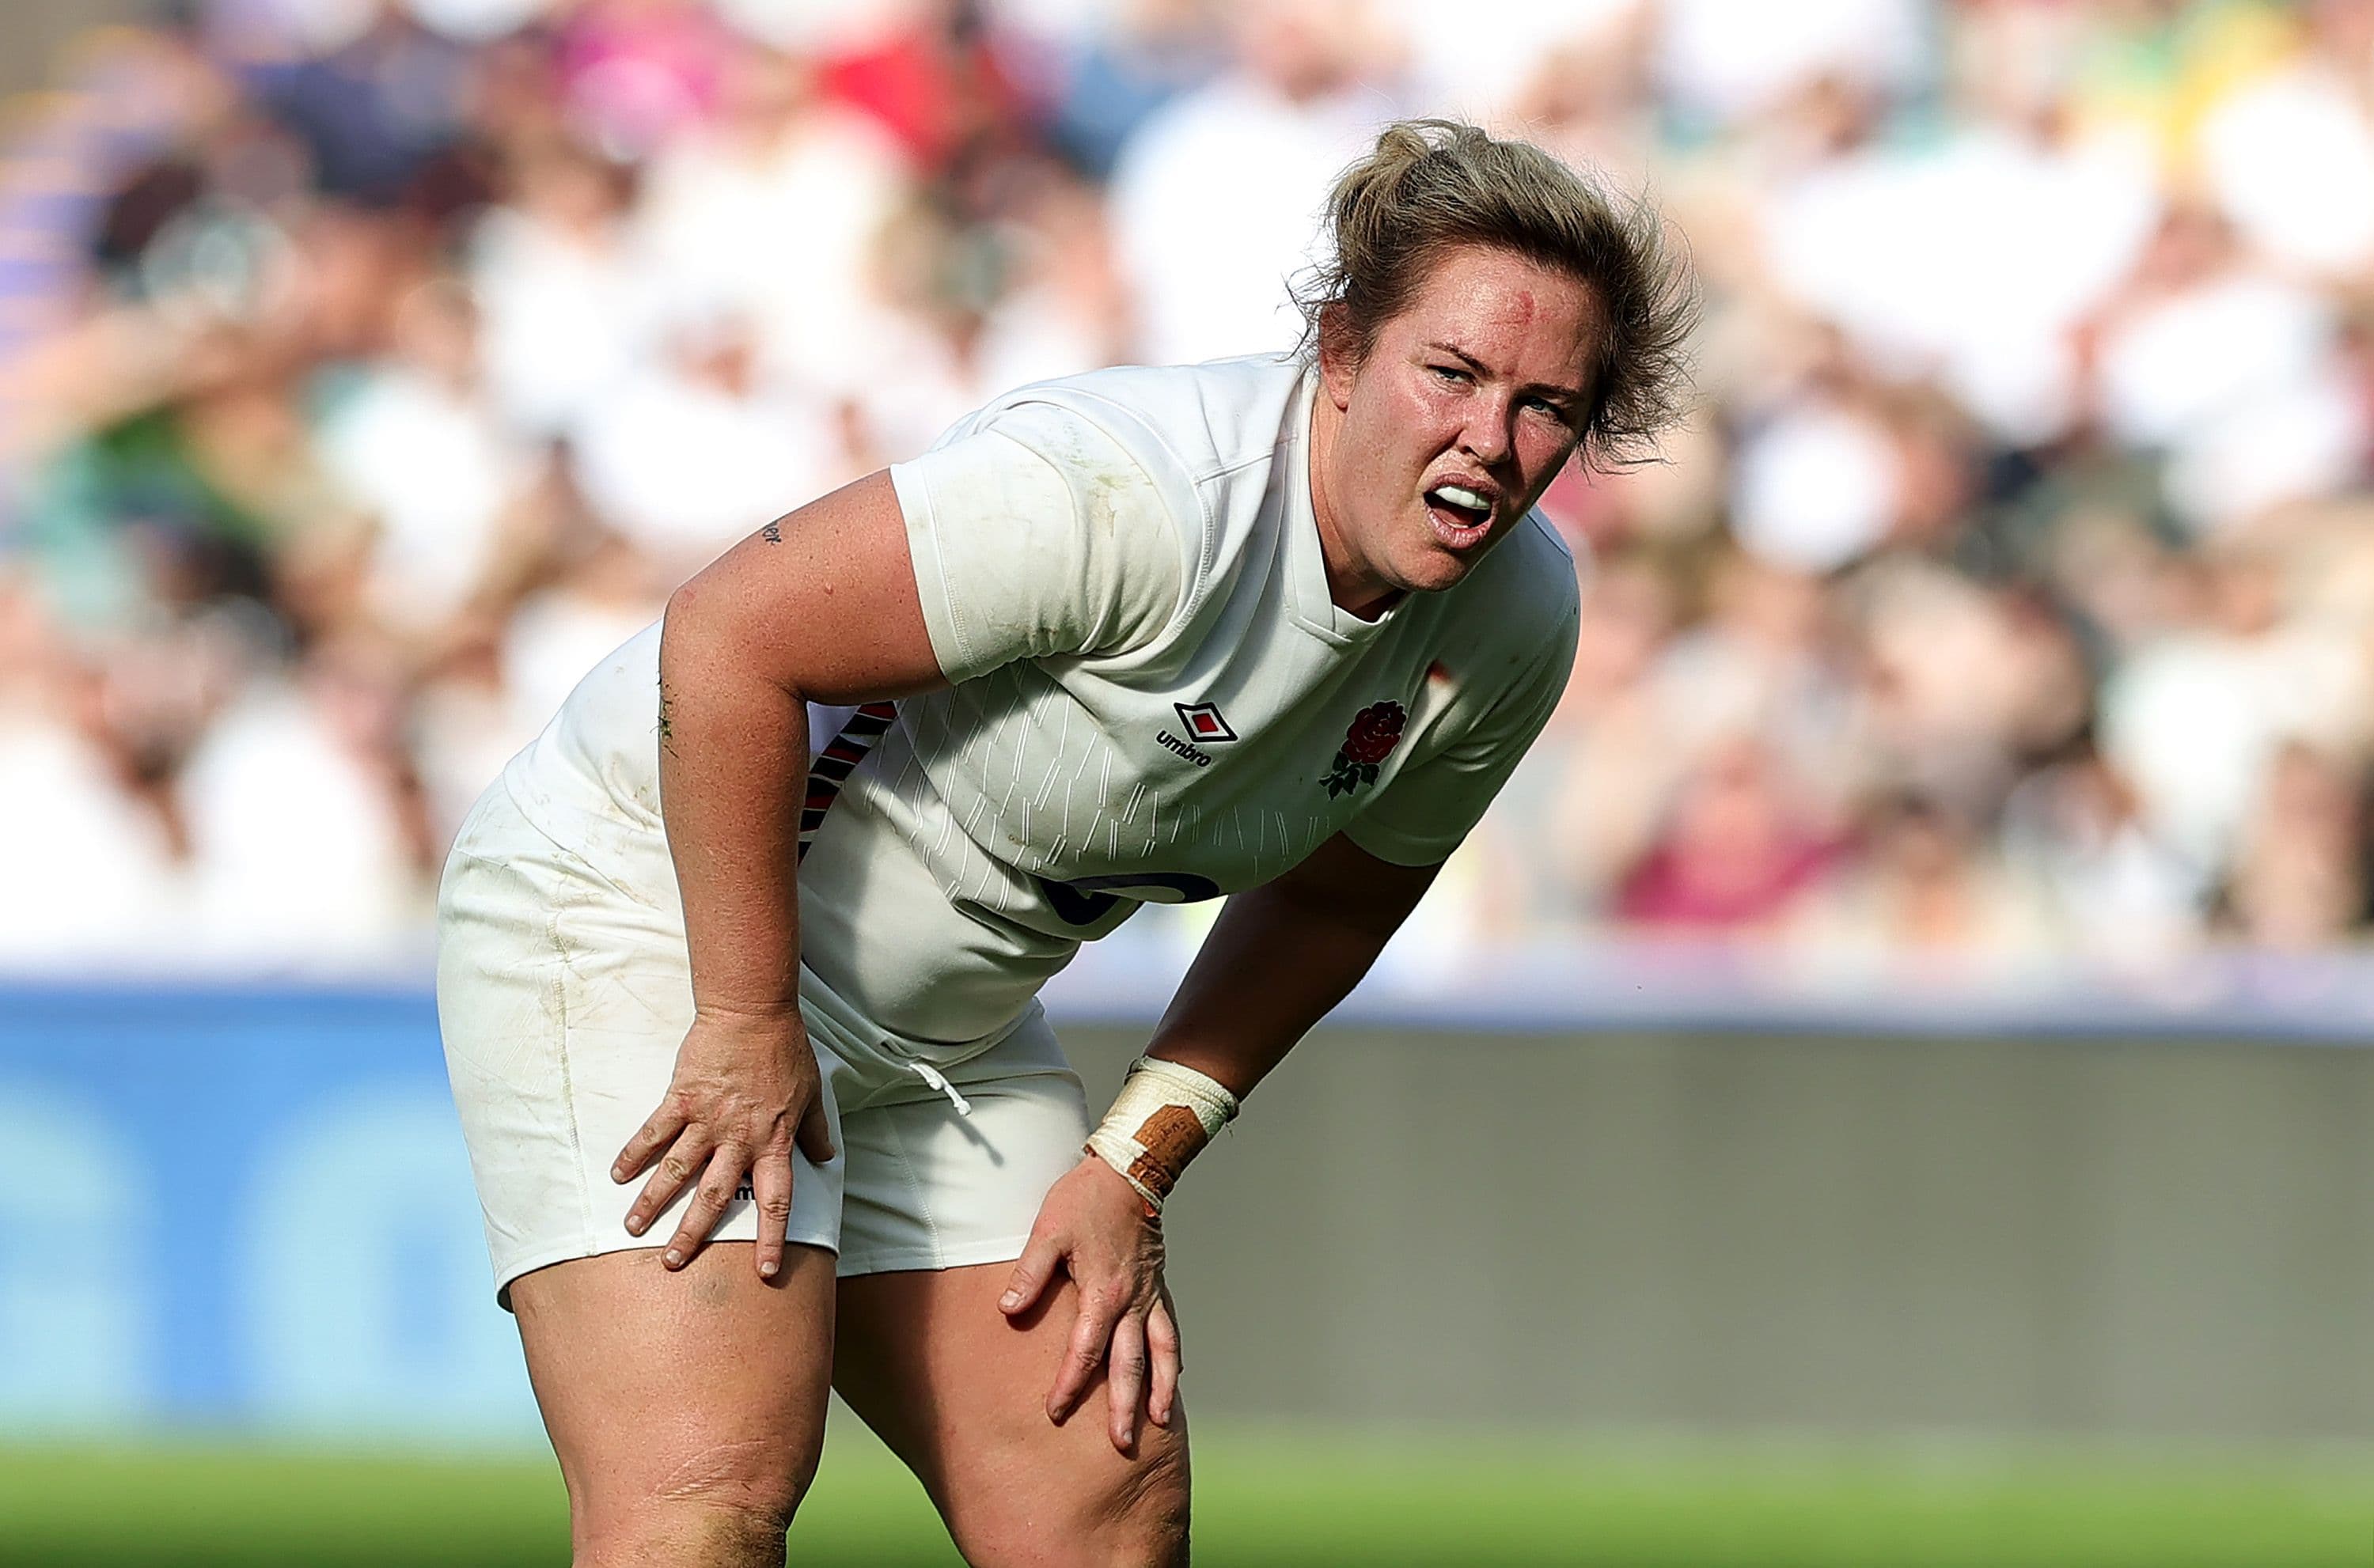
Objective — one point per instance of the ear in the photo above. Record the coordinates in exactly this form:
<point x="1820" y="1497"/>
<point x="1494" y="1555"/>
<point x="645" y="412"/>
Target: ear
<point x="1338" y="362"/>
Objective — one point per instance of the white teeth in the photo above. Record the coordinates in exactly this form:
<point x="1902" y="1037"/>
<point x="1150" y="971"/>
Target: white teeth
<point x="1460" y="496"/>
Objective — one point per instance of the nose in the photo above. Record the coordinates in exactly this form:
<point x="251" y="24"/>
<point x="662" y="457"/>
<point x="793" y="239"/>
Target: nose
<point x="1486" y="438"/>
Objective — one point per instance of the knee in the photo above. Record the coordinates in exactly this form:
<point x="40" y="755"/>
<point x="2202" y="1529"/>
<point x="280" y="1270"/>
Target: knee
<point x="1143" y="1524"/>
<point x="728" y="1505"/>
<point x="1139" y="1521"/>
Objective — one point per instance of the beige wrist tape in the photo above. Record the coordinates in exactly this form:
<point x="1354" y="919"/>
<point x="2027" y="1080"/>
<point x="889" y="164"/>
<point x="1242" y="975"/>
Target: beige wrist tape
<point x="1163" y="1117"/>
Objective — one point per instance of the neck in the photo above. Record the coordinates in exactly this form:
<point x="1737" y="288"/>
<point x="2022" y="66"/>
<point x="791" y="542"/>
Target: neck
<point x="1351" y="586"/>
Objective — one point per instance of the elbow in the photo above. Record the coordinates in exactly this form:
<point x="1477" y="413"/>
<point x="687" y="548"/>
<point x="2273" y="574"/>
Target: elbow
<point x="705" y="641"/>
<point x="686" y="607"/>
<point x="693" y="620"/>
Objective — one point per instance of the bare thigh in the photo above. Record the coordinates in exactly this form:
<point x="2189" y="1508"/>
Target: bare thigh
<point x="960" y="1392"/>
<point x="688" y="1408"/>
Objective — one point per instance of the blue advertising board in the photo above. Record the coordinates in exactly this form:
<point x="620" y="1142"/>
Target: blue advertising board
<point x="237" y="1208"/>
<point x="230" y="1207"/>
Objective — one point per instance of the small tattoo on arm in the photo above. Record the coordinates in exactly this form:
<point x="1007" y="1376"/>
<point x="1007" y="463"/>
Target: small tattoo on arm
<point x="668" y="729"/>
<point x="772" y="534"/>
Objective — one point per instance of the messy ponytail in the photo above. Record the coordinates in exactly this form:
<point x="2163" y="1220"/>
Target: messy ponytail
<point x="1430" y="187"/>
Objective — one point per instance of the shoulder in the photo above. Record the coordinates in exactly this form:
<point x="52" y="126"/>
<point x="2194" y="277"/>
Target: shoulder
<point x="1178" y="423"/>
<point x="1528" y="589"/>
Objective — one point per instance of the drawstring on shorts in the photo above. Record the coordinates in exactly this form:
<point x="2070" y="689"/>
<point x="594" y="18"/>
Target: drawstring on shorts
<point x="933" y="1076"/>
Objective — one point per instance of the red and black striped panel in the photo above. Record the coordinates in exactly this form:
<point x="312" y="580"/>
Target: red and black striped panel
<point x="833" y="764"/>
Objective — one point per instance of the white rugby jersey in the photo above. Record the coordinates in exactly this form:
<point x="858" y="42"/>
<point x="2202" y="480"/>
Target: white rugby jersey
<point x="1153" y="699"/>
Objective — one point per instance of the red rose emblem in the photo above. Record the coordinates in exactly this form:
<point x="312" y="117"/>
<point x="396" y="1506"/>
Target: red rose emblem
<point x="1375" y="730"/>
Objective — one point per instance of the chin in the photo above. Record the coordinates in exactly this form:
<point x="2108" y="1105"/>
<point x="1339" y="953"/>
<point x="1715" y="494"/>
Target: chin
<point x="1432" y="571"/>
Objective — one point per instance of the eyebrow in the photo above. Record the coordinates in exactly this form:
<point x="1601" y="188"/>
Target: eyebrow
<point x="1571" y="395"/>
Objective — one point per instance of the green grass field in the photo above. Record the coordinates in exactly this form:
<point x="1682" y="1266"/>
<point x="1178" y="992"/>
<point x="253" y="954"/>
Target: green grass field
<point x="1265" y="1500"/>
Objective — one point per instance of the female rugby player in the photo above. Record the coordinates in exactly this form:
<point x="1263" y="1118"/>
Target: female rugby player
<point x="743" y="949"/>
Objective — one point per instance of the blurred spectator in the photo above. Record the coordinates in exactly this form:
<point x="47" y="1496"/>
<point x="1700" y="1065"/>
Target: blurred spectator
<point x="2290" y="155"/>
<point x="371" y="109"/>
<point x="90" y="874"/>
<point x="2076" y="828"/>
<point x="637" y="71"/>
<point x="1922" y="895"/>
<point x="934" y="79"/>
<point x="416" y="442"/>
<point x="1736" y="856"/>
<point x="1120" y="68"/>
<point x="692" y="451"/>
<point x="307" y="845"/>
<point x="2198" y="715"/>
<point x="378" y="365"/>
<point x="2218" y="361"/>
<point x="773" y="212"/>
<point x="1215" y="199"/>
<point x="1725" y="61"/>
<point x="2300" y="878"/>
<point x="566" y="309"/>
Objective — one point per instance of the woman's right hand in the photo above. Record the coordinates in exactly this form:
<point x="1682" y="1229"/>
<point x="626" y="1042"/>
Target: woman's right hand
<point x="745" y="1091"/>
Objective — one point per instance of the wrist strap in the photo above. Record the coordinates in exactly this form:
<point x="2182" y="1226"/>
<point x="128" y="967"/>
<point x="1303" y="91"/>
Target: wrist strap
<point x="1163" y="1117"/>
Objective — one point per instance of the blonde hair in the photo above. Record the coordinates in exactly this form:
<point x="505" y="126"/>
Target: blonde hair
<point x="1433" y="186"/>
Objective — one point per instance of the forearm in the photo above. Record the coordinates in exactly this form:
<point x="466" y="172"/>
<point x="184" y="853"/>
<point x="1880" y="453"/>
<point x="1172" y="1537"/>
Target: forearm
<point x="734" y="762"/>
<point x="1274" y="966"/>
<point x="1279" y="958"/>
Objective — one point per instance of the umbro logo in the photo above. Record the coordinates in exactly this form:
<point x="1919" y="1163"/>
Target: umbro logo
<point x="1203" y="722"/>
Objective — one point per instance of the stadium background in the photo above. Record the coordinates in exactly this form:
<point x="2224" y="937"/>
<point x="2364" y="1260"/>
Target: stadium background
<point x="1885" y="1085"/>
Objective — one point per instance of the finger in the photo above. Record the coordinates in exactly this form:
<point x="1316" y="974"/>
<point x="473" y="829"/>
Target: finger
<point x="1090" y="1333"/>
<point x="770" y="1185"/>
<point x="650" y="1138"/>
<point x="1162" y="1355"/>
<point x="677" y="1168"/>
<point x="1125" y="1385"/>
<point x="708" y="1202"/>
<point x="816" y="1134"/>
<point x="1031" y="1272"/>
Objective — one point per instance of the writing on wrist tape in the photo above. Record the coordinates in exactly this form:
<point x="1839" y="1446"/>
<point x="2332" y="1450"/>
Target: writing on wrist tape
<point x="1163" y="1117"/>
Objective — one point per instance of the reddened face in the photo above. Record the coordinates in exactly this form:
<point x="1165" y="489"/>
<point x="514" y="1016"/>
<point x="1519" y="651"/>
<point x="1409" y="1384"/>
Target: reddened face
<point x="1429" y="448"/>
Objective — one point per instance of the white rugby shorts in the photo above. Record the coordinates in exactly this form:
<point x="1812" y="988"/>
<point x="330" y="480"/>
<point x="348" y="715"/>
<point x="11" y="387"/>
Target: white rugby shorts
<point x="562" y="999"/>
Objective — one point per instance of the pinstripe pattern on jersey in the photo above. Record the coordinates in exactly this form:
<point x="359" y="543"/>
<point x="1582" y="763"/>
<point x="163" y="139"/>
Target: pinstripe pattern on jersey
<point x="833" y="764"/>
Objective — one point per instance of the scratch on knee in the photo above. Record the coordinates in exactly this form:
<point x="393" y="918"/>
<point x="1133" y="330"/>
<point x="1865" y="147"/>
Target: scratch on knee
<point x="723" y="1472"/>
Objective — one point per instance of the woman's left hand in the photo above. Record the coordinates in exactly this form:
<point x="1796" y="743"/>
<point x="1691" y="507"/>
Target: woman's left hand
<point x="1096" y="1228"/>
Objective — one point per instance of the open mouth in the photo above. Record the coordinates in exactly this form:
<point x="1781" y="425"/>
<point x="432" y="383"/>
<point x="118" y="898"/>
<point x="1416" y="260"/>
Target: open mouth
<point x="1462" y="517"/>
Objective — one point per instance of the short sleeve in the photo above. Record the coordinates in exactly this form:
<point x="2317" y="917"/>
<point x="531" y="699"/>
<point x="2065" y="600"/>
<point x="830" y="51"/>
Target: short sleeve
<point x="1036" y="534"/>
<point x="1433" y="803"/>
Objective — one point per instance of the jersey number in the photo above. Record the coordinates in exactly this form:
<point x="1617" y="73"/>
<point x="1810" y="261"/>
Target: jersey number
<point x="1090" y="899"/>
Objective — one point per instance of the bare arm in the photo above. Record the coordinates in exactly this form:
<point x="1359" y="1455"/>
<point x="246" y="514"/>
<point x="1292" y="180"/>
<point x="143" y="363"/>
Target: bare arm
<point x="821" y="605"/>
<point x="818" y="607"/>
<point x="1280" y="957"/>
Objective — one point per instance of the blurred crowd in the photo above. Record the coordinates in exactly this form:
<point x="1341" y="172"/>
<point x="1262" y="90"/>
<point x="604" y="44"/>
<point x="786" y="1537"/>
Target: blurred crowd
<point x="369" y="368"/>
